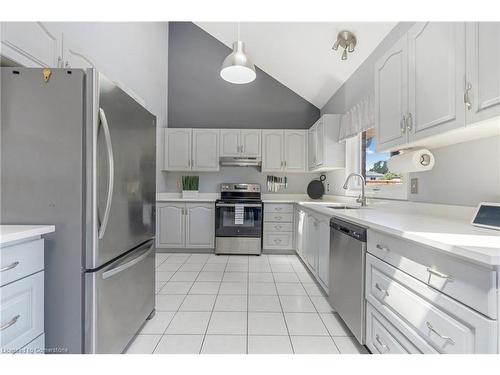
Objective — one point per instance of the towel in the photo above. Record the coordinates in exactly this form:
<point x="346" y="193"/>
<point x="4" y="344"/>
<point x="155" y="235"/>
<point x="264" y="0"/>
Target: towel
<point x="239" y="214"/>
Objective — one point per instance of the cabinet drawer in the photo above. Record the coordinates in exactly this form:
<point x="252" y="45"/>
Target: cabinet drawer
<point x="278" y="208"/>
<point x="21" y="312"/>
<point x="278" y="227"/>
<point x="277" y="217"/>
<point x="383" y="338"/>
<point x="469" y="283"/>
<point x="20" y="260"/>
<point x="276" y="240"/>
<point x="448" y="326"/>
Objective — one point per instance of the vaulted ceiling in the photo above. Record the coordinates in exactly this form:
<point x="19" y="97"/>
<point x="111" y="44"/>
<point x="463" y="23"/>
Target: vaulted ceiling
<point x="300" y="55"/>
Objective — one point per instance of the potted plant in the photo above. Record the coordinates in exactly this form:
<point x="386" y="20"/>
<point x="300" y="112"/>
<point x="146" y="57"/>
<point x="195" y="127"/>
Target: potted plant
<point x="190" y="186"/>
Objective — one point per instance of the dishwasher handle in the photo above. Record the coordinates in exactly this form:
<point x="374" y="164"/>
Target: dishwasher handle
<point x="349" y="229"/>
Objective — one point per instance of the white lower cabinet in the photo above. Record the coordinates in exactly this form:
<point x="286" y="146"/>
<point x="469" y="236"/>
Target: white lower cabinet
<point x="278" y="226"/>
<point x="185" y="225"/>
<point x="313" y="243"/>
<point x="431" y="320"/>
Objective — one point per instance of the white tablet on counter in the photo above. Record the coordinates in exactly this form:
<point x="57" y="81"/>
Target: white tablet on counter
<point x="487" y="215"/>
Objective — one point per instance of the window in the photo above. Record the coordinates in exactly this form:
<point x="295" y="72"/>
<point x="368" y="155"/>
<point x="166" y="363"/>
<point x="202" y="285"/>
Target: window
<point x="374" y="164"/>
<point x="362" y="158"/>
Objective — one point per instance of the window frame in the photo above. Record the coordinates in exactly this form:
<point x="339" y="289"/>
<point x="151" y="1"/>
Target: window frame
<point x="354" y="146"/>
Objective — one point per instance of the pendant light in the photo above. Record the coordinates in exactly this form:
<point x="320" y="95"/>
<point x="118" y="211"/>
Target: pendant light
<point x="347" y="41"/>
<point x="237" y="67"/>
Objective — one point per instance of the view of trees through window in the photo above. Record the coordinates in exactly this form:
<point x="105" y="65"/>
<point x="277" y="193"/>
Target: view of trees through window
<point x="374" y="164"/>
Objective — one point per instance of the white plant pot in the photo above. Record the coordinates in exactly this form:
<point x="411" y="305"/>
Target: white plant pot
<point x="189" y="194"/>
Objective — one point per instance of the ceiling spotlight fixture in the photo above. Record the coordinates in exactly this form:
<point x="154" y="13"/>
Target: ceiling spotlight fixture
<point x="237" y="66"/>
<point x="347" y="41"/>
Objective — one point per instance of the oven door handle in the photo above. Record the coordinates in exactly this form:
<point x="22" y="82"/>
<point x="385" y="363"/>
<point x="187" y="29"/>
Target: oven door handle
<point x="234" y="204"/>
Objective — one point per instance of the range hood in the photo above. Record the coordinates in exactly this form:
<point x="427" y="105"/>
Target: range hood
<point x="240" y="162"/>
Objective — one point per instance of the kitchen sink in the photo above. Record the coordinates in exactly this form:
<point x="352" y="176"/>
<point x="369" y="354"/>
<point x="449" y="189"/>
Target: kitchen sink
<point x="344" y="207"/>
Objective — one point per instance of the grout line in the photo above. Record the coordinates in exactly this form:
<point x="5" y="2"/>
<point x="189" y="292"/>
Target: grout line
<point x="213" y="307"/>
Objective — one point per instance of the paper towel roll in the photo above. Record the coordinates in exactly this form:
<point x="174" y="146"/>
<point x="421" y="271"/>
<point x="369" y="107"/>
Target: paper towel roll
<point x="411" y="161"/>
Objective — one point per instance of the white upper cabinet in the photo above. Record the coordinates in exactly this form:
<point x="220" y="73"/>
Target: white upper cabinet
<point x="295" y="150"/>
<point x="240" y="143"/>
<point x="200" y="225"/>
<point x="177" y="149"/>
<point x="251" y="142"/>
<point x="272" y="150"/>
<point x="325" y="152"/>
<point x="436" y="70"/>
<point x="230" y="142"/>
<point x="31" y="44"/>
<point x="205" y="150"/>
<point x="391" y="96"/>
<point x="483" y="71"/>
<point x="73" y="58"/>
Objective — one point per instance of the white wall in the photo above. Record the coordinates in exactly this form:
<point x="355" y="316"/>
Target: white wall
<point x="133" y="53"/>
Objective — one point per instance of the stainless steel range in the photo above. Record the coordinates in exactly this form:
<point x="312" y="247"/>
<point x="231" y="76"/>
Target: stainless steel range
<point x="238" y="219"/>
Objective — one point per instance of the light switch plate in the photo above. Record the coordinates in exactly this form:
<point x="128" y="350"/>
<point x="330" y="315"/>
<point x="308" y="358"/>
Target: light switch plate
<point x="414" y="185"/>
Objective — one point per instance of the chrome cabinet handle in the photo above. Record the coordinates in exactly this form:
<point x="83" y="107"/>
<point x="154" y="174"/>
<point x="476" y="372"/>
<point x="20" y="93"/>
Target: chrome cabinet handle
<point x="109" y="146"/>
<point x="381" y="290"/>
<point x="66" y="64"/>
<point x="468" y="105"/>
<point x="381" y="247"/>
<point x="9" y="267"/>
<point x="285" y="163"/>
<point x="277" y="217"/>
<point x="409" y="120"/>
<point x="439" y="274"/>
<point x="402" y="125"/>
<point x="278" y="208"/>
<point x="432" y="329"/>
<point x="277" y="226"/>
<point x="385" y="347"/>
<point x="277" y="240"/>
<point x="10" y="323"/>
<point x="59" y="62"/>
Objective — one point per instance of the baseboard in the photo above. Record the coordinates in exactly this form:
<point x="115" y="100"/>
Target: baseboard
<point x="185" y="250"/>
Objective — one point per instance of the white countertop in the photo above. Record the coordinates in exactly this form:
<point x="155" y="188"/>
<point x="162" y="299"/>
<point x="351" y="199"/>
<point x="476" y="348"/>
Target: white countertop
<point x="9" y="233"/>
<point x="454" y="235"/>
<point x="177" y="197"/>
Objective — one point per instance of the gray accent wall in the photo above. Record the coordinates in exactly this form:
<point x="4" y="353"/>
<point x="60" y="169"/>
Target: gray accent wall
<point x="199" y="98"/>
<point x="464" y="174"/>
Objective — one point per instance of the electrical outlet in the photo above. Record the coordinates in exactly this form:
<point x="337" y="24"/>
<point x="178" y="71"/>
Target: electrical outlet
<point x="414" y="185"/>
<point x="328" y="187"/>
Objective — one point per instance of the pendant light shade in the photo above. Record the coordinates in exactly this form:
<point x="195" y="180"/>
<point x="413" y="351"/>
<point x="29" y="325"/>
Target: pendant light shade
<point x="237" y="66"/>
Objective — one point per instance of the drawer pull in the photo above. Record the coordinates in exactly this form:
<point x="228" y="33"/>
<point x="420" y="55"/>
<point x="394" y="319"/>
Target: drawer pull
<point x="11" y="323"/>
<point x="9" y="267"/>
<point x="439" y="274"/>
<point x="277" y="217"/>
<point x="277" y="240"/>
<point x="383" y="248"/>
<point x="385" y="347"/>
<point x="277" y="226"/>
<point x="381" y="290"/>
<point x="432" y="329"/>
<point x="278" y="208"/>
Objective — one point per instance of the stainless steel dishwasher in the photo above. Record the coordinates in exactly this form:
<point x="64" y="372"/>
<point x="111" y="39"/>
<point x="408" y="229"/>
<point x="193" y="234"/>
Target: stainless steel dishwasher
<point x="347" y="274"/>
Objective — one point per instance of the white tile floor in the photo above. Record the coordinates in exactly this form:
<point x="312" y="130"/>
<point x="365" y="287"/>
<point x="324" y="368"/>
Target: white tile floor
<point x="240" y="304"/>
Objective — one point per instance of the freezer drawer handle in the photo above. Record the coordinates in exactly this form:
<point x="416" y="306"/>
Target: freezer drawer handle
<point x="11" y="323"/>
<point x="123" y="267"/>
<point x="111" y="181"/>
<point x="9" y="267"/>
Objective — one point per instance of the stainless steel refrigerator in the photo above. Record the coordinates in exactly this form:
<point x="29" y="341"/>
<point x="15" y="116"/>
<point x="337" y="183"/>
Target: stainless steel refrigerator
<point x="78" y="152"/>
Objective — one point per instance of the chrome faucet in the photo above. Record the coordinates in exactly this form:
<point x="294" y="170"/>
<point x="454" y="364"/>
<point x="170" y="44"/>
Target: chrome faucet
<point x="362" y="198"/>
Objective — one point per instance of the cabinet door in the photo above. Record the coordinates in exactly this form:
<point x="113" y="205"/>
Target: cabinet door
<point x="311" y="147"/>
<point x="324" y="250"/>
<point x="200" y="229"/>
<point x="171" y="231"/>
<point x="436" y="70"/>
<point x="205" y="150"/>
<point x="73" y="58"/>
<point x="312" y="242"/>
<point x="178" y="149"/>
<point x="300" y="222"/>
<point x="319" y="142"/>
<point x="483" y="71"/>
<point x="250" y="143"/>
<point x="31" y="44"/>
<point x="391" y="96"/>
<point x="272" y="160"/>
<point x="229" y="142"/>
<point x="295" y="150"/>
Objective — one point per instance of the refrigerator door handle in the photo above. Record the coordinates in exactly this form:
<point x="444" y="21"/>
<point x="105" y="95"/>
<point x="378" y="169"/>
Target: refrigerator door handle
<point x="122" y="267"/>
<point x="107" y="136"/>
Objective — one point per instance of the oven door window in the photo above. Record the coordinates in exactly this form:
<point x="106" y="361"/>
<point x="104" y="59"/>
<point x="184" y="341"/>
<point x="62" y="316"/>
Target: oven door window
<point x="226" y="224"/>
